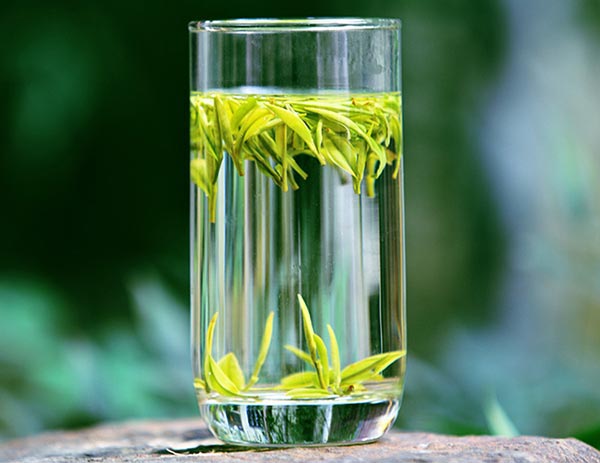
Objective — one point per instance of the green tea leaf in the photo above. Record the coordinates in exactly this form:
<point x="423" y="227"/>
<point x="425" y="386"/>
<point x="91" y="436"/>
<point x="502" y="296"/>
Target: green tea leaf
<point x="303" y="379"/>
<point x="255" y="119"/>
<point x="218" y="381"/>
<point x="241" y="112"/>
<point x="281" y="141"/>
<point x="264" y="350"/>
<point x="309" y="393"/>
<point x="366" y="368"/>
<point x="199" y="383"/>
<point x="210" y="331"/>
<point x="208" y="348"/>
<point x="294" y="122"/>
<point x="340" y="119"/>
<point x="334" y="156"/>
<point x="292" y="181"/>
<point x="299" y="353"/>
<point x="262" y="162"/>
<point x="224" y="126"/>
<point x="323" y="360"/>
<point x="199" y="175"/>
<point x="335" y="358"/>
<point x="370" y="177"/>
<point x="319" y="134"/>
<point x="212" y="142"/>
<point x="309" y="333"/>
<point x="297" y="168"/>
<point x="341" y="107"/>
<point x="231" y="368"/>
<point x="397" y="136"/>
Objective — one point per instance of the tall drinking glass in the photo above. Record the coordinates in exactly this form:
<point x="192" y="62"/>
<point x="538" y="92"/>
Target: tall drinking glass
<point x="297" y="255"/>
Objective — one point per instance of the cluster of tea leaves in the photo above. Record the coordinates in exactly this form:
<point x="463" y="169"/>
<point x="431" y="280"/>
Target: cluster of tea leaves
<point x="327" y="380"/>
<point x="358" y="135"/>
<point x="226" y="376"/>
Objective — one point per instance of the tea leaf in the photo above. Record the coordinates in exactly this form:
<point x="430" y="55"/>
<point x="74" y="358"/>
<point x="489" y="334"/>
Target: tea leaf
<point x="208" y="347"/>
<point x="334" y="156"/>
<point x="309" y="333"/>
<point x="309" y="393"/>
<point x="223" y="121"/>
<point x="319" y="134"/>
<point x="218" y="381"/>
<point x="241" y="112"/>
<point x="397" y="135"/>
<point x="323" y="360"/>
<point x="299" y="353"/>
<point x="297" y="168"/>
<point x="263" y="163"/>
<point x="337" y="107"/>
<point x="366" y="368"/>
<point x="335" y="358"/>
<point x="292" y="181"/>
<point x="199" y="383"/>
<point x="231" y="368"/>
<point x="248" y="121"/>
<point x="340" y="119"/>
<point x="293" y="121"/>
<point x="303" y="379"/>
<point x="264" y="350"/>
<point x="213" y="143"/>
<point x="281" y="141"/>
<point x="199" y="175"/>
<point x="370" y="177"/>
<point x="209" y="335"/>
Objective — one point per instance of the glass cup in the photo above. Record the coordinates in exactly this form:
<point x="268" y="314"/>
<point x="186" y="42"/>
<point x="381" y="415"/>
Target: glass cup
<point x="297" y="253"/>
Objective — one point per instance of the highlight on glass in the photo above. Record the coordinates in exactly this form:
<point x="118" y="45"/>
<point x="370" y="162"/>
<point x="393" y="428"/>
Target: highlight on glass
<point x="297" y="233"/>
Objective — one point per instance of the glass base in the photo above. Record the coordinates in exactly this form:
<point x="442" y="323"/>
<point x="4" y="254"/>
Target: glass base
<point x="300" y="422"/>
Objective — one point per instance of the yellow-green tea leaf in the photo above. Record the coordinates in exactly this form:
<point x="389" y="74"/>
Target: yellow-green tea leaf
<point x="218" y="381"/>
<point x="264" y="350"/>
<point x="299" y="353"/>
<point x="294" y="165"/>
<point x="348" y="151"/>
<point x="309" y="393"/>
<point x="281" y="141"/>
<point x="231" y="367"/>
<point x="294" y="122"/>
<point x="241" y="112"/>
<point x="323" y="361"/>
<point x="397" y="135"/>
<point x="365" y="369"/>
<point x="210" y="331"/>
<point x="319" y="134"/>
<point x="334" y="156"/>
<point x="199" y="383"/>
<point x="199" y="175"/>
<point x="224" y="125"/>
<point x="309" y="333"/>
<point x="303" y="379"/>
<point x="335" y="358"/>
<point x="208" y="348"/>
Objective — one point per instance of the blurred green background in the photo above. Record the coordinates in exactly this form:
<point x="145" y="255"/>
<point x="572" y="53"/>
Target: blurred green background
<point x="502" y="150"/>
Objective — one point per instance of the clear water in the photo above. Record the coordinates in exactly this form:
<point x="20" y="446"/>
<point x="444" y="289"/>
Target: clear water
<point x="290" y="423"/>
<point x="344" y="253"/>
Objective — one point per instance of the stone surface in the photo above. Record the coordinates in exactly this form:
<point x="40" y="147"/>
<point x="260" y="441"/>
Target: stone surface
<point x="190" y="441"/>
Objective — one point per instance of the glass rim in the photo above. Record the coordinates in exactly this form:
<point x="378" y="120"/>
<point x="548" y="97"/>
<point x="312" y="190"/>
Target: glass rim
<point x="257" y="25"/>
